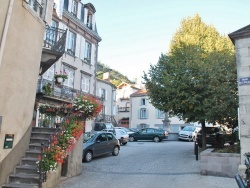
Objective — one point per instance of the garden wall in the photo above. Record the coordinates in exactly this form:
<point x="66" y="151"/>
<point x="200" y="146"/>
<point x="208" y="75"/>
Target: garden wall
<point x="219" y="164"/>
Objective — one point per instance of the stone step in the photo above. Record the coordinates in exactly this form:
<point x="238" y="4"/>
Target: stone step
<point x="39" y="140"/>
<point x="18" y="185"/>
<point x="24" y="178"/>
<point x="41" y="129"/>
<point x="41" y="134"/>
<point x="35" y="146"/>
<point x="33" y="153"/>
<point x="27" y="169"/>
<point x="29" y="161"/>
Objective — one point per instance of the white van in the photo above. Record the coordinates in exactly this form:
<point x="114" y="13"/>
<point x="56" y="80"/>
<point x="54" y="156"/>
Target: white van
<point x="189" y="133"/>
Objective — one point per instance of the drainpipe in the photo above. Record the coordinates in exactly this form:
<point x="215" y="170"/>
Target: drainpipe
<point x="5" y="30"/>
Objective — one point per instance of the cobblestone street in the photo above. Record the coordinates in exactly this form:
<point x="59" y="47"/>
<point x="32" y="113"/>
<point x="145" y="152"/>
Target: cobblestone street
<point x="147" y="164"/>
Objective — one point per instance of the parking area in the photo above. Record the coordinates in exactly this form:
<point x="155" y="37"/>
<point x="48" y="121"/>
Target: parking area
<point x="145" y="164"/>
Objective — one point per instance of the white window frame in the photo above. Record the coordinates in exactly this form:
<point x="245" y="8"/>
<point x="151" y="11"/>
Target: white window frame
<point x="87" y="52"/>
<point x="85" y="83"/>
<point x="74" y="8"/>
<point x="71" y="74"/>
<point x="49" y="74"/>
<point x="143" y="113"/>
<point x="71" y="45"/>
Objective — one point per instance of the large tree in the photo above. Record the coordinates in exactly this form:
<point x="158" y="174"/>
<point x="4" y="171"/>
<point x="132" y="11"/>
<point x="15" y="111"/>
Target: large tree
<point x="197" y="79"/>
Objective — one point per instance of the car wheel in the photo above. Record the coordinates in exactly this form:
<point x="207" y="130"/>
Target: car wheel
<point x="131" y="139"/>
<point x="115" y="151"/>
<point x="156" y="139"/>
<point x="88" y="156"/>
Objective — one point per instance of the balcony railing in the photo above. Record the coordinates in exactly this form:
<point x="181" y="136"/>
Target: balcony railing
<point x="55" y="39"/>
<point x="58" y="91"/>
<point x="123" y="109"/>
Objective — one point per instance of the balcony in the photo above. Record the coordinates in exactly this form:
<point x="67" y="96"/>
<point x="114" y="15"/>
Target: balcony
<point x="53" y="47"/>
<point x="59" y="92"/>
<point x="123" y="109"/>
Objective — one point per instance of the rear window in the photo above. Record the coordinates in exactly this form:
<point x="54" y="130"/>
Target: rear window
<point x="110" y="136"/>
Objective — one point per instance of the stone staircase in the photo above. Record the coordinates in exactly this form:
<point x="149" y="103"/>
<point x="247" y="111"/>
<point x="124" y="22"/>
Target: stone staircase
<point x="25" y="175"/>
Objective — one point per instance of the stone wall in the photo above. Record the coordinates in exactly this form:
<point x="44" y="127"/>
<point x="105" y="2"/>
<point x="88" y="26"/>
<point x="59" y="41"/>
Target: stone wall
<point x="219" y="164"/>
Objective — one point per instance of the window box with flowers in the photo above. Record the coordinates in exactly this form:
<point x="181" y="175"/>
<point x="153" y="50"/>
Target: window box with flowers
<point x="60" y="78"/>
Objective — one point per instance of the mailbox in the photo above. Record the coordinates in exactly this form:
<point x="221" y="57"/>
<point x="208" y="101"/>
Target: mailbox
<point x="8" y="141"/>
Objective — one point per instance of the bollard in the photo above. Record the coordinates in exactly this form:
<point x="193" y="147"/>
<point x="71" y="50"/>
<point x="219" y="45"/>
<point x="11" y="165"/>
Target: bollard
<point x="196" y="150"/>
<point x="239" y="181"/>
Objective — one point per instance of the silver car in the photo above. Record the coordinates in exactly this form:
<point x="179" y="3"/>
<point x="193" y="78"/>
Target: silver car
<point x="100" y="143"/>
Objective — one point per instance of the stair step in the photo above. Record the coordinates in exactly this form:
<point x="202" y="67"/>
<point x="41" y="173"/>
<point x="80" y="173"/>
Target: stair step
<point x="41" y="134"/>
<point x="27" y="169"/>
<point x="32" y="153"/>
<point x="29" y="161"/>
<point x="20" y="185"/>
<point x="24" y="178"/>
<point x="35" y="146"/>
<point x="39" y="140"/>
<point x="41" y="129"/>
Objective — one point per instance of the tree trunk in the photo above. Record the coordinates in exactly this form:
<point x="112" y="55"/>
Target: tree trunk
<point x="204" y="141"/>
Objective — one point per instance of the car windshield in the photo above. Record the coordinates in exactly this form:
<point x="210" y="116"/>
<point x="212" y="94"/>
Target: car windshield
<point x="92" y="137"/>
<point x="190" y="129"/>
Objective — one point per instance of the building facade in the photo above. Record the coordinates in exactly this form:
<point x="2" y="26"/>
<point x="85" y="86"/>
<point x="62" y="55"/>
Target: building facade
<point x="22" y="28"/>
<point x="144" y="115"/>
<point x="79" y="60"/>
<point x="241" y="40"/>
<point x="123" y="103"/>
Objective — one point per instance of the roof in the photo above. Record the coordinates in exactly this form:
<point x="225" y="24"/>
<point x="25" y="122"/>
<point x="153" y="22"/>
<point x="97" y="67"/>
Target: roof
<point x="124" y="84"/>
<point x="141" y="92"/>
<point x="241" y="33"/>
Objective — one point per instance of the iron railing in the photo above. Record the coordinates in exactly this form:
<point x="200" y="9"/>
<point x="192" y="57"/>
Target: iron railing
<point x="55" y="39"/>
<point x="123" y="109"/>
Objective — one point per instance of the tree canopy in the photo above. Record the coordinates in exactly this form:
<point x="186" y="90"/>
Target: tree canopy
<point x="197" y="79"/>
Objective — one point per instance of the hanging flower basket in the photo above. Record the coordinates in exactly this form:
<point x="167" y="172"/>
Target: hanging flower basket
<point x="60" y="78"/>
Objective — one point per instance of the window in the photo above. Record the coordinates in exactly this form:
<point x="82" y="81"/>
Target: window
<point x="143" y="113"/>
<point x="150" y="131"/>
<point x="103" y="94"/>
<point x="89" y="21"/>
<point x="49" y="74"/>
<point x="51" y="33"/>
<point x="74" y="8"/>
<point x="87" y="52"/>
<point x="71" y="43"/>
<point x="143" y="101"/>
<point x="160" y="114"/>
<point x="110" y="136"/>
<point x="85" y="83"/>
<point x="66" y="5"/>
<point x="70" y="81"/>
<point x="82" y="13"/>
<point x="102" y="137"/>
<point x="103" y="109"/>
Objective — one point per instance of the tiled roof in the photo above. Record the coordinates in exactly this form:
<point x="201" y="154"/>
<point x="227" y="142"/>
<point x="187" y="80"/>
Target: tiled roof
<point x="240" y="33"/>
<point x="141" y="92"/>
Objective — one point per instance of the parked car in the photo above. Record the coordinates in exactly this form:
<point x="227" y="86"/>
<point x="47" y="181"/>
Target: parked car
<point x="98" y="126"/>
<point x="217" y="137"/>
<point x="156" y="135"/>
<point x="125" y="129"/>
<point x="87" y="136"/>
<point x="100" y="143"/>
<point x="188" y="133"/>
<point x="120" y="134"/>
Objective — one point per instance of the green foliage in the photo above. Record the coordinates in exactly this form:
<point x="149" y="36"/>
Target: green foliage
<point x="197" y="79"/>
<point x="116" y="77"/>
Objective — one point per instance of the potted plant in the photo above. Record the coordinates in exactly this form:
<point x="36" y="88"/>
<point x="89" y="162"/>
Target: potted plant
<point x="47" y="88"/>
<point x="60" y="78"/>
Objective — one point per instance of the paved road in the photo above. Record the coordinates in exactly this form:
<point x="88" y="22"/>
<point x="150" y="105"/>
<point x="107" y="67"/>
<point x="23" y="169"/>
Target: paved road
<point x="169" y="164"/>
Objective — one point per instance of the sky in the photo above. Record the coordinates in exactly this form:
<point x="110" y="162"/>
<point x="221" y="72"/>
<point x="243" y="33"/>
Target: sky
<point x="136" y="32"/>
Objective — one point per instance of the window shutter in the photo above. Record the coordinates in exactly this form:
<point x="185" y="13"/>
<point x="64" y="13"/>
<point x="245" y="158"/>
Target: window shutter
<point x="66" y="5"/>
<point x="100" y="92"/>
<point x="138" y="114"/>
<point x="106" y="95"/>
<point x="146" y="113"/>
<point x="140" y="102"/>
